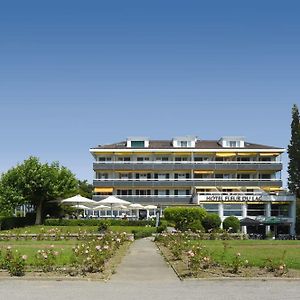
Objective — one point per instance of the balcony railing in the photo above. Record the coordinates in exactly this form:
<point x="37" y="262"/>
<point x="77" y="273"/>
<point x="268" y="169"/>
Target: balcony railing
<point x="186" y="162"/>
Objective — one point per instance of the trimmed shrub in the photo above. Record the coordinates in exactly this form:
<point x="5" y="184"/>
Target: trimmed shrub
<point x="143" y="232"/>
<point x="211" y="221"/>
<point x="185" y="218"/>
<point x="7" y="223"/>
<point x="97" y="222"/>
<point x="231" y="224"/>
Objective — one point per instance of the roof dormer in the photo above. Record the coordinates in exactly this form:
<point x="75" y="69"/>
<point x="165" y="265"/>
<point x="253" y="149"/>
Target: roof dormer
<point x="137" y="142"/>
<point x="232" y="142"/>
<point x="184" y="142"/>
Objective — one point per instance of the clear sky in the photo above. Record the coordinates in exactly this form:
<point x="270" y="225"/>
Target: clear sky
<point x="75" y="74"/>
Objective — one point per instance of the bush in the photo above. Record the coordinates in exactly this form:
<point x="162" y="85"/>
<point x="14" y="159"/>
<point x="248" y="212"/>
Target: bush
<point x="7" y="223"/>
<point x="231" y="224"/>
<point x="211" y="221"/>
<point x="185" y="218"/>
<point x="143" y="232"/>
<point x="97" y="222"/>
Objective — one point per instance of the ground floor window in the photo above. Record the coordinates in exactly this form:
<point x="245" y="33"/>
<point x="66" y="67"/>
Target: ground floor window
<point x="232" y="210"/>
<point x="211" y="208"/>
<point x="255" y="210"/>
<point x="280" y="210"/>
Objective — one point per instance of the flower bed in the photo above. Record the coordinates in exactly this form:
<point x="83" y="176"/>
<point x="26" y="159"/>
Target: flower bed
<point x="192" y="257"/>
<point x="90" y="255"/>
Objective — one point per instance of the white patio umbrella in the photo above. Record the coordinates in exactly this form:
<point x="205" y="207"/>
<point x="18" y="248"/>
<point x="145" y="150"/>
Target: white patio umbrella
<point x="80" y="206"/>
<point x="150" y="207"/>
<point x="78" y="200"/>
<point x="113" y="202"/>
<point x="100" y="207"/>
<point x="136" y="206"/>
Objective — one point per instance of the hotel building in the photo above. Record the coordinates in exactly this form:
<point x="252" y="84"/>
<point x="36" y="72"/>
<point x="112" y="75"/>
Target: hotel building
<point x="229" y="176"/>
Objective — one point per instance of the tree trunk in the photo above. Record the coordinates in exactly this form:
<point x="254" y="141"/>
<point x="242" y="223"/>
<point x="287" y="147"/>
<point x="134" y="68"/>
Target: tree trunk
<point x="39" y="212"/>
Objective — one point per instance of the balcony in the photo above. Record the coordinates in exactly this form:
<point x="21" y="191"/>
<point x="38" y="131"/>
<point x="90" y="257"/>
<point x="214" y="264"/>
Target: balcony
<point x="186" y="182"/>
<point x="187" y="165"/>
<point x="153" y="199"/>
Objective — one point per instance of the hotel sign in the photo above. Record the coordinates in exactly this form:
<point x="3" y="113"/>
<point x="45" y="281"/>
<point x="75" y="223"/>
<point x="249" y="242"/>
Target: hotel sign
<point x="230" y="197"/>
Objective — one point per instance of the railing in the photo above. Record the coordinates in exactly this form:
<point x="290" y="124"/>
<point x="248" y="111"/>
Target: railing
<point x="186" y="179"/>
<point x="186" y="162"/>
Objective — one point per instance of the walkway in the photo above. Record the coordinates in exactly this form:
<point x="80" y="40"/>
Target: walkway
<point x="144" y="262"/>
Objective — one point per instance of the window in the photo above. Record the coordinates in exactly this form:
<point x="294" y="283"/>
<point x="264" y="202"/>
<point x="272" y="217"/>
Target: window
<point x="142" y="159"/>
<point x="143" y="192"/>
<point x="137" y="144"/>
<point x="197" y="158"/>
<point x="243" y="158"/>
<point x="232" y="210"/>
<point x="101" y="175"/>
<point x="280" y="210"/>
<point x="161" y="158"/>
<point x="183" y="143"/>
<point x="125" y="158"/>
<point x="211" y="208"/>
<point x="255" y="209"/>
<point x="125" y="176"/>
<point x="124" y="192"/>
<point x="265" y="176"/>
<point x="243" y="176"/>
<point x="181" y="159"/>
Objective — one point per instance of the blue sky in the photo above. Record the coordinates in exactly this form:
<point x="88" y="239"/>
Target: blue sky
<point x="74" y="74"/>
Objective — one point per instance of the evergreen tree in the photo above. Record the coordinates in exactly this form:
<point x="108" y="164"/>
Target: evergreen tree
<point x="294" y="153"/>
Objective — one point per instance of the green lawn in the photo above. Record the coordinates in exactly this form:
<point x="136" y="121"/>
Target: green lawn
<point x="256" y="251"/>
<point x="39" y="229"/>
<point x="30" y="249"/>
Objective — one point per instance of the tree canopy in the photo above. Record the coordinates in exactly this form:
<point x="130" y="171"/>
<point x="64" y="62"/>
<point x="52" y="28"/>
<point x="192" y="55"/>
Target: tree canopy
<point x="294" y="153"/>
<point x="33" y="182"/>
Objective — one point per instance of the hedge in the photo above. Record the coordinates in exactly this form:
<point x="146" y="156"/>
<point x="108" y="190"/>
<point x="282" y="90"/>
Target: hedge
<point x="7" y="223"/>
<point x="97" y="222"/>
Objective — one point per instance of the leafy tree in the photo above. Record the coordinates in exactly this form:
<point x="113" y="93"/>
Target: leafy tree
<point x="35" y="183"/>
<point x="85" y="189"/>
<point x="294" y="154"/>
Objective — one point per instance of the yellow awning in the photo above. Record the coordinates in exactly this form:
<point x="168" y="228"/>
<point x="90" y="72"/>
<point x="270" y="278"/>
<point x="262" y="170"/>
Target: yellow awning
<point x="103" y="190"/>
<point x="205" y="187"/>
<point x="252" y="187"/>
<point x="225" y="154"/>
<point x="269" y="154"/>
<point x="274" y="189"/>
<point x="246" y="154"/>
<point x="231" y="187"/>
<point x="203" y="172"/>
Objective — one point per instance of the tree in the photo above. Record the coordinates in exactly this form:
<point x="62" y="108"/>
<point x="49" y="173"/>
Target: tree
<point x="85" y="189"/>
<point x="294" y="154"/>
<point x="35" y="183"/>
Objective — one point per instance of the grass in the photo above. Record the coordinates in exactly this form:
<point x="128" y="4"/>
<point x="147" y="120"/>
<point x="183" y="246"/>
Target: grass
<point x="38" y="229"/>
<point x="30" y="248"/>
<point x="255" y="251"/>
